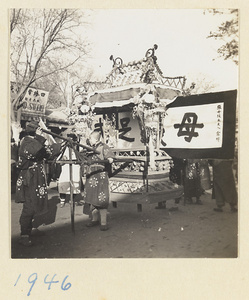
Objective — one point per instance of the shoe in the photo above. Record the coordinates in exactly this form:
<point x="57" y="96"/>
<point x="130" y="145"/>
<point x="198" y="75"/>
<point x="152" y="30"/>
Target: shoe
<point x="37" y="232"/>
<point x="92" y="223"/>
<point x="177" y="200"/>
<point x="189" y="201"/>
<point x="104" y="227"/>
<point x="218" y="209"/>
<point x="174" y="208"/>
<point x="79" y="203"/>
<point x="199" y="202"/>
<point x="160" y="207"/>
<point x="25" y="241"/>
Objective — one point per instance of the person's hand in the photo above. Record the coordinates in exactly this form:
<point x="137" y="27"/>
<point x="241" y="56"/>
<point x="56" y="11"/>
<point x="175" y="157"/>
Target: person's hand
<point x="39" y="131"/>
<point x="63" y="143"/>
<point x="110" y="160"/>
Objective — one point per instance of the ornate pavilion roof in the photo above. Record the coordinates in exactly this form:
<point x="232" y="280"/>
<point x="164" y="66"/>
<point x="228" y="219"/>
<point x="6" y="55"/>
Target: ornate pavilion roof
<point x="145" y="70"/>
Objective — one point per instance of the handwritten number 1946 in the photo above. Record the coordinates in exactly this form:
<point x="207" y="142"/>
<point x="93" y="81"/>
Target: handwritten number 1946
<point x="50" y="282"/>
<point x="64" y="286"/>
<point x="33" y="278"/>
<point x="17" y="279"/>
<point x="32" y="281"/>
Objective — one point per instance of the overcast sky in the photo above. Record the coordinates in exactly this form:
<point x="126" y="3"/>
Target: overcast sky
<point x="183" y="48"/>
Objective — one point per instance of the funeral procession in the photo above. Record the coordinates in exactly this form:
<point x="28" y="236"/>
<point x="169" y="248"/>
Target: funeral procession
<point x="123" y="140"/>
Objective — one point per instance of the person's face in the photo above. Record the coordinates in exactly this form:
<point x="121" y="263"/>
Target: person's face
<point x="92" y="140"/>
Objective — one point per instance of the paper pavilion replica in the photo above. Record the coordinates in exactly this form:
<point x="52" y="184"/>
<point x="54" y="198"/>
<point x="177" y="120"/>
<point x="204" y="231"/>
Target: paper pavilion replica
<point x="129" y="108"/>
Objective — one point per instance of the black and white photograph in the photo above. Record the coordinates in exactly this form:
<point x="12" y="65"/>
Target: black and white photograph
<point x="124" y="133"/>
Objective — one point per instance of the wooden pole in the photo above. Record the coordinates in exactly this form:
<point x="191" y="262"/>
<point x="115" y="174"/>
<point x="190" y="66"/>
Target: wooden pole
<point x="147" y="166"/>
<point x="65" y="139"/>
<point x="71" y="190"/>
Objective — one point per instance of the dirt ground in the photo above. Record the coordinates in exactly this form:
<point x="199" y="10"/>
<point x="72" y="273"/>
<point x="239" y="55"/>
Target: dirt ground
<point x="193" y="231"/>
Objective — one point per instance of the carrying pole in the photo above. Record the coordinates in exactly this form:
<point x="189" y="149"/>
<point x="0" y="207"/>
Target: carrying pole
<point x="71" y="189"/>
<point x="65" y="139"/>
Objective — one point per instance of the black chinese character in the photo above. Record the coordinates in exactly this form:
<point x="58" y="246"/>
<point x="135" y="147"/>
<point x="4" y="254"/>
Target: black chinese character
<point x="99" y="127"/>
<point x="124" y="129"/>
<point x="189" y="122"/>
<point x="36" y="94"/>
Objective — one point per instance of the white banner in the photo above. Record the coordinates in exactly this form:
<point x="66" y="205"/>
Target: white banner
<point x="194" y="127"/>
<point x="124" y="134"/>
<point x="129" y="131"/>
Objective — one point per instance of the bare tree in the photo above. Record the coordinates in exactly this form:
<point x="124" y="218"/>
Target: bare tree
<point x="228" y="33"/>
<point x="39" y="38"/>
<point x="16" y="18"/>
<point x="62" y="85"/>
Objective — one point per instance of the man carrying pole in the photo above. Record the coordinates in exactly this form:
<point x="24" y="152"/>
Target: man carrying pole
<point x="31" y="187"/>
<point x="31" y="183"/>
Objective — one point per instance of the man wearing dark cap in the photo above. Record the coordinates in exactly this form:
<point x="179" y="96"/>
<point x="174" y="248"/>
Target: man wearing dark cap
<point x="31" y="188"/>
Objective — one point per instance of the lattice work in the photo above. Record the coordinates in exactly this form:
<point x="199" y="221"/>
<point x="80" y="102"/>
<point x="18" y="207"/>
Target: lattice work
<point x="126" y="187"/>
<point x="134" y="77"/>
<point x="176" y="82"/>
<point x="138" y="166"/>
<point x="139" y="187"/>
<point x="94" y="86"/>
<point x="140" y="153"/>
<point x="163" y="161"/>
<point x="135" y="166"/>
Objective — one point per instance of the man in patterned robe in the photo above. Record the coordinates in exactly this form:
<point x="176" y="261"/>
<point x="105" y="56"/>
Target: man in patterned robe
<point x="31" y="188"/>
<point x="192" y="181"/>
<point x="97" y="182"/>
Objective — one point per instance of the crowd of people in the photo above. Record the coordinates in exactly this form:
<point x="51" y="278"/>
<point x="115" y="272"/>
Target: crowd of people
<point x="30" y="182"/>
<point x="194" y="175"/>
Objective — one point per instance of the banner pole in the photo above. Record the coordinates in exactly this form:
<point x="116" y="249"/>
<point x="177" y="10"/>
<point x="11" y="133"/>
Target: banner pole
<point x="147" y="167"/>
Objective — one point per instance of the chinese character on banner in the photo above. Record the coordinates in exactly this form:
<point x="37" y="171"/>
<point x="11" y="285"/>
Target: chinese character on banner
<point x="192" y="127"/>
<point x="215" y="140"/>
<point x="127" y="128"/>
<point x="36" y="94"/>
<point x="124" y="122"/>
<point x="129" y="131"/>
<point x="187" y="126"/>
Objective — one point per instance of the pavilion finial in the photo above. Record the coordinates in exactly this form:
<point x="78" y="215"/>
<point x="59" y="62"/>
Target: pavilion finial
<point x="151" y="52"/>
<point x="117" y="64"/>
